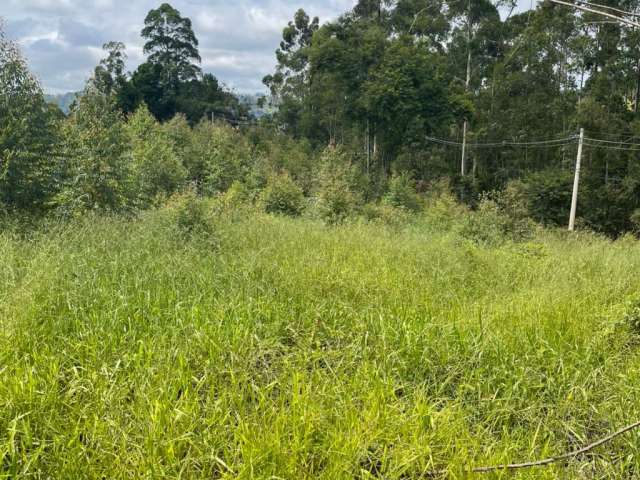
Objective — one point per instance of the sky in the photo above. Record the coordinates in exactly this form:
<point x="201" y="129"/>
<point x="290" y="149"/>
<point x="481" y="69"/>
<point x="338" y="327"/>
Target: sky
<point x="62" y="39"/>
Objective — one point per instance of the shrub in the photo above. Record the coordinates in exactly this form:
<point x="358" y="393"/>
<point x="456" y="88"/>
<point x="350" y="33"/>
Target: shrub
<point x="179" y="132"/>
<point x="500" y="216"/>
<point x="484" y="226"/>
<point x="96" y="174"/>
<point x="386" y="215"/>
<point x="443" y="210"/>
<point x="157" y="169"/>
<point x="218" y="156"/>
<point x="282" y="196"/>
<point x="236" y="203"/>
<point x="402" y="193"/>
<point x="548" y="195"/>
<point x="335" y="196"/>
<point x="189" y="214"/>
<point x="28" y="134"/>
<point x="513" y="206"/>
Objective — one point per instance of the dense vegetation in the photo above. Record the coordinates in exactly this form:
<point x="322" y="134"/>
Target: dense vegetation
<point x="323" y="293"/>
<point x="209" y="340"/>
<point x="355" y="106"/>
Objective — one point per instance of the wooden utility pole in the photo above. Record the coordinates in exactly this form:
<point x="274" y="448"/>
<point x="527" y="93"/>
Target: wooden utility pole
<point x="576" y="184"/>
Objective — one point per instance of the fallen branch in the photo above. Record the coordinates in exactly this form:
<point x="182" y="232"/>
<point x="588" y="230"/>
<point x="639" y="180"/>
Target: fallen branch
<point x="546" y="461"/>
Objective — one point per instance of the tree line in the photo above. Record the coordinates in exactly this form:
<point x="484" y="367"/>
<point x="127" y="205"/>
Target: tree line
<point x="357" y="103"/>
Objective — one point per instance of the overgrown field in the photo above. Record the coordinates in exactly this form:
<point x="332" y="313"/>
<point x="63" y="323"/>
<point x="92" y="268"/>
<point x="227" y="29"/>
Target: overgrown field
<point x="269" y="347"/>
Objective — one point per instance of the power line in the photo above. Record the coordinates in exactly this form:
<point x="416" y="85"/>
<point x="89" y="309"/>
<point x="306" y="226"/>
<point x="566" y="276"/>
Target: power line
<point x="615" y="142"/>
<point x="507" y="143"/>
<point x="623" y="12"/>
<point x="612" y="147"/>
<point x="558" y="142"/>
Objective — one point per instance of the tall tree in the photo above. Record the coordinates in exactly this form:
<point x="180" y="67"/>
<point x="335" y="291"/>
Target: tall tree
<point x="28" y="132"/>
<point x="109" y="75"/>
<point x="289" y="85"/>
<point x="171" y="43"/>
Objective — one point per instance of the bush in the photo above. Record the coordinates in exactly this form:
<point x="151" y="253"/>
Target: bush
<point x="96" y="174"/>
<point x="499" y="217"/>
<point x="218" y="156"/>
<point x="157" y="168"/>
<point x="386" y="215"/>
<point x="336" y="199"/>
<point x="443" y="210"/>
<point x="484" y="226"/>
<point x="548" y="195"/>
<point x="513" y="206"/>
<point x="189" y="214"/>
<point x="402" y="193"/>
<point x="282" y="196"/>
<point x="236" y="203"/>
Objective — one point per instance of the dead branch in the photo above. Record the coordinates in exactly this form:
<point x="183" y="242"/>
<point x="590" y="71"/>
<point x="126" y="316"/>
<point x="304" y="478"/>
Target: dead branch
<point x="546" y="461"/>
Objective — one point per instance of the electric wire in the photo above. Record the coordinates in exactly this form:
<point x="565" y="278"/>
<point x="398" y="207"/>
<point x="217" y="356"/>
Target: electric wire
<point x="507" y="143"/>
<point x="624" y="12"/>
<point x="615" y="142"/>
<point x="601" y="143"/>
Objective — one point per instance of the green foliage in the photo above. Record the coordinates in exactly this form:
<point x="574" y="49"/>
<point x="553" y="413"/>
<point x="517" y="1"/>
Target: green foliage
<point x="171" y="44"/>
<point x="130" y="350"/>
<point x="514" y="208"/>
<point x="157" y="169"/>
<point x="237" y="195"/>
<point x="336" y="199"/>
<point x="499" y="217"/>
<point x="28" y="134"/>
<point x="484" y="226"/>
<point x="97" y="171"/>
<point x="548" y="195"/>
<point x="402" y="193"/>
<point x="282" y="196"/>
<point x="191" y="215"/>
<point x="386" y="214"/>
<point x="443" y="210"/>
<point x="218" y="156"/>
<point x="276" y="152"/>
<point x="109" y="75"/>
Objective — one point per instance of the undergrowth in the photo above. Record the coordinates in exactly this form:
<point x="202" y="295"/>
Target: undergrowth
<point x="130" y="348"/>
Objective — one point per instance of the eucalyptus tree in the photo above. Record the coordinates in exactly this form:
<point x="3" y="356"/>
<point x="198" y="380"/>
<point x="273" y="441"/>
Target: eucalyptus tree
<point x="28" y="132"/>
<point x="171" y="43"/>
<point x="109" y="76"/>
<point x="290" y="83"/>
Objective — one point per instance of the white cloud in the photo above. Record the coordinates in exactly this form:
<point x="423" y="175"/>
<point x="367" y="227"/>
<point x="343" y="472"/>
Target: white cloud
<point x="62" y="39"/>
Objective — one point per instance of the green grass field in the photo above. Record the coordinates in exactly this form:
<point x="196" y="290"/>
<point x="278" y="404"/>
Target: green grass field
<point x="285" y="349"/>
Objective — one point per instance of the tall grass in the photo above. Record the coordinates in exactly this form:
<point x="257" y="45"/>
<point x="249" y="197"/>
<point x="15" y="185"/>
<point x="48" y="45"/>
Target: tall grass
<point x="288" y="349"/>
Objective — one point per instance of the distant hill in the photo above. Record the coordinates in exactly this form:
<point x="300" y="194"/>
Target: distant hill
<point x="63" y="100"/>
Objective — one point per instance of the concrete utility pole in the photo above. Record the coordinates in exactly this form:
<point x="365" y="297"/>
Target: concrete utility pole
<point x="576" y="184"/>
<point x="467" y="83"/>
